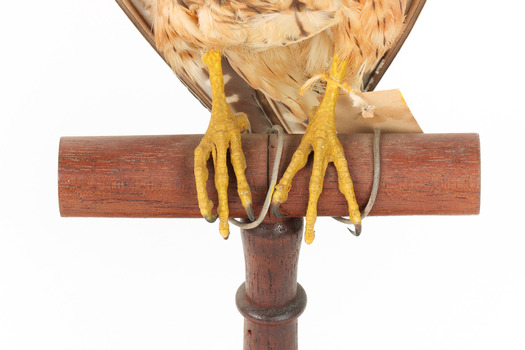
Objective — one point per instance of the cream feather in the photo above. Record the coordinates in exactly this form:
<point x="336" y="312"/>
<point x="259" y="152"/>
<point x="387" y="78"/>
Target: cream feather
<point x="276" y="46"/>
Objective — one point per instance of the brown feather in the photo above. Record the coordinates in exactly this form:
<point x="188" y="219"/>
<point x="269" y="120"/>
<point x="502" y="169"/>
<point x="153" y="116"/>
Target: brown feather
<point x="276" y="46"/>
<point x="263" y="40"/>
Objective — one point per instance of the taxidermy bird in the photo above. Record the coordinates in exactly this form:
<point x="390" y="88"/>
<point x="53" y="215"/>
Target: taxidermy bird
<point x="300" y="55"/>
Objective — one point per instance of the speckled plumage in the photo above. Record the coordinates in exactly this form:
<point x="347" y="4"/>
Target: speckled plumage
<point x="277" y="45"/>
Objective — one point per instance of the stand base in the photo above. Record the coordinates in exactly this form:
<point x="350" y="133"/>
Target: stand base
<point x="271" y="300"/>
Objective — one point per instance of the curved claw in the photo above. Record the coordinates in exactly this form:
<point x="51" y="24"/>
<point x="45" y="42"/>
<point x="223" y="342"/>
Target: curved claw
<point x="275" y="211"/>
<point x="249" y="211"/>
<point x="210" y="218"/>
<point x="357" y="231"/>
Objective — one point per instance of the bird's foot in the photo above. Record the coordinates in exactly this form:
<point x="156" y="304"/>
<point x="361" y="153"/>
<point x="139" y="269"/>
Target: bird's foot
<point x="321" y="138"/>
<point x="224" y="132"/>
<point x="323" y="141"/>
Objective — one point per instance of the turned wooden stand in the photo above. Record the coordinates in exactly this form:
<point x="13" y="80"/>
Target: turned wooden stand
<point x="152" y="176"/>
<point x="271" y="300"/>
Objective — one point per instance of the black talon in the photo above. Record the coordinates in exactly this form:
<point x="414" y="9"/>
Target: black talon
<point x="357" y="231"/>
<point x="249" y="211"/>
<point x="210" y="218"/>
<point x="275" y="211"/>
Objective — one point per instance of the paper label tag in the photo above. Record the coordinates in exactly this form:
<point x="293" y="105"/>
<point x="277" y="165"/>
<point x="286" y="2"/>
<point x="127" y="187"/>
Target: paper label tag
<point x="391" y="114"/>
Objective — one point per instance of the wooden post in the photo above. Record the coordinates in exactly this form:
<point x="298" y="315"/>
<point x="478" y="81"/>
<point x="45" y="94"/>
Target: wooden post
<point x="271" y="300"/>
<point x="152" y="176"/>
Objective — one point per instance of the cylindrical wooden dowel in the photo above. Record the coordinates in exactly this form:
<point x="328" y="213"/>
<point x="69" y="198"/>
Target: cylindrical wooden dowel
<point x="271" y="300"/>
<point x="152" y="176"/>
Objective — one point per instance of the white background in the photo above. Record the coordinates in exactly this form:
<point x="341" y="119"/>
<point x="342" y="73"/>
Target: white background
<point x="80" y="68"/>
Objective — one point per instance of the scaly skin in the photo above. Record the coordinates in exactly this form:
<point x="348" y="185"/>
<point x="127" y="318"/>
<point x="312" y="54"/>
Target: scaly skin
<point x="224" y="131"/>
<point x="321" y="138"/>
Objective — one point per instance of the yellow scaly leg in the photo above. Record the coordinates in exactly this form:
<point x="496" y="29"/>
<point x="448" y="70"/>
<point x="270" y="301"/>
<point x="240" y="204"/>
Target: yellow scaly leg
<point x="224" y="131"/>
<point x="321" y="138"/>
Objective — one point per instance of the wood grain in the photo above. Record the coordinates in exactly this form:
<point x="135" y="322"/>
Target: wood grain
<point x="152" y="176"/>
<point x="421" y="174"/>
<point x="271" y="300"/>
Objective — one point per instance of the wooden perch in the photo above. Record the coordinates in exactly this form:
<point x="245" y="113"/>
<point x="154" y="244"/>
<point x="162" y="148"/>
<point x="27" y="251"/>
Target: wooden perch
<point x="152" y="176"/>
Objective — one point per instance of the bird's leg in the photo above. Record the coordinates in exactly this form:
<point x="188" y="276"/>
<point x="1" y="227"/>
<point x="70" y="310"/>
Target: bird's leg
<point x="321" y="138"/>
<point x="224" y="131"/>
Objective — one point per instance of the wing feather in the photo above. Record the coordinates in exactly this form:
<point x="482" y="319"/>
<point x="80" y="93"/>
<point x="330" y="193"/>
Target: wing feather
<point x="247" y="99"/>
<point x="304" y="20"/>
